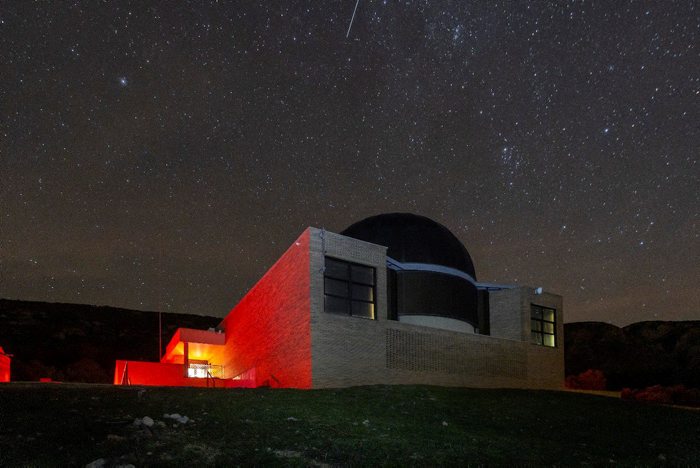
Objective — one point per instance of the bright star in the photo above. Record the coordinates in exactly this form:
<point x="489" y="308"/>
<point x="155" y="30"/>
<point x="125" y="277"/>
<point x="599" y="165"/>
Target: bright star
<point x="123" y="81"/>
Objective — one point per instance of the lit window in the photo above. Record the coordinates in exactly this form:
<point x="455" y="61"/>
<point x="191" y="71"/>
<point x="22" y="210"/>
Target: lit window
<point x="349" y="289"/>
<point x="202" y="371"/>
<point x="543" y="325"/>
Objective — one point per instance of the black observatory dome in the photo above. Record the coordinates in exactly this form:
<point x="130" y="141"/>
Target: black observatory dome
<point x="413" y="239"/>
<point x="420" y="290"/>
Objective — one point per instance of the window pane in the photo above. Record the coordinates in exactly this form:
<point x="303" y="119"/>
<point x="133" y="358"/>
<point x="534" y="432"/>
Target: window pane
<point x="536" y="325"/>
<point x="364" y="293"/>
<point x="536" y="312"/>
<point x="549" y="340"/>
<point x="362" y="274"/>
<point x="349" y="288"/>
<point x="363" y="309"/>
<point x="336" y="287"/>
<point x="548" y="315"/>
<point x="536" y="338"/>
<point x="336" y="269"/>
<point x="549" y="327"/>
<point x="337" y="305"/>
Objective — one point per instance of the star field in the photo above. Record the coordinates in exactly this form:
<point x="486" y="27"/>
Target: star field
<point x="160" y="156"/>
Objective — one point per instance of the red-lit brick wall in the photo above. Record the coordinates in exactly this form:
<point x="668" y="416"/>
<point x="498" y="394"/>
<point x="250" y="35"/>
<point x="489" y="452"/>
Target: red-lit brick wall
<point x="166" y="375"/>
<point x="4" y="368"/>
<point x="152" y="373"/>
<point x="270" y="330"/>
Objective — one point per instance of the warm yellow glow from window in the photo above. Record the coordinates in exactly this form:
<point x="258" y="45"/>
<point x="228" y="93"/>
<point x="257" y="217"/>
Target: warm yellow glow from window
<point x="202" y="371"/>
<point x="543" y="325"/>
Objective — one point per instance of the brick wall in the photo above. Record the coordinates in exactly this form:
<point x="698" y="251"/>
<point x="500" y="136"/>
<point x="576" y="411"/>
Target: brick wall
<point x="546" y="365"/>
<point x="507" y="315"/>
<point x="353" y="351"/>
<point x="4" y="367"/>
<point x="269" y="329"/>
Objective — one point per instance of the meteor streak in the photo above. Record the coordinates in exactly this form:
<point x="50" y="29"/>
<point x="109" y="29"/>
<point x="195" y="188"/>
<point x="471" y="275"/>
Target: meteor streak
<point x="352" y="19"/>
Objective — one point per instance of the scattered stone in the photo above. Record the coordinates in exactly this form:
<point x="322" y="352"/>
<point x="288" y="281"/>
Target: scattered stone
<point x="444" y="423"/>
<point x="99" y="463"/>
<point x="292" y="418"/>
<point x="115" y="438"/>
<point x="176" y="417"/>
<point x="148" y="422"/>
<point x="365" y="422"/>
<point x="287" y="453"/>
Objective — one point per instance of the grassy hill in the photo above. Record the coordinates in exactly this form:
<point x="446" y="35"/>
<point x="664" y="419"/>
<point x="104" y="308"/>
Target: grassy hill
<point x="74" y="424"/>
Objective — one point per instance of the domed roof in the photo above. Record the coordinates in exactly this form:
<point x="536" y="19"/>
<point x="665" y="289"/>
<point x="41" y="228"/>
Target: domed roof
<point x="413" y="239"/>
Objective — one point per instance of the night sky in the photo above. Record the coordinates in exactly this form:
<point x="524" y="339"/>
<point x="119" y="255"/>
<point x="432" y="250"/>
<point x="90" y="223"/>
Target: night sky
<point x="162" y="155"/>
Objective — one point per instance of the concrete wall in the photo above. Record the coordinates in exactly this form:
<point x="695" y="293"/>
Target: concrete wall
<point x="353" y="351"/>
<point x="434" y="321"/>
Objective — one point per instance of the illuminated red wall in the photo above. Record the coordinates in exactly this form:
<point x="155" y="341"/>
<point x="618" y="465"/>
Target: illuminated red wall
<point x="4" y="368"/>
<point x="270" y="330"/>
<point x="166" y="375"/>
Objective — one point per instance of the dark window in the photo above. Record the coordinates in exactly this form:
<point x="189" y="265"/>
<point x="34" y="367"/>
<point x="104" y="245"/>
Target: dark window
<point x="349" y="288"/>
<point x="543" y="325"/>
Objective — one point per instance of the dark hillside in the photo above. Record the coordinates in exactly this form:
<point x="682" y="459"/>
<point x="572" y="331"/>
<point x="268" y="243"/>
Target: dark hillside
<point x="80" y="343"/>
<point x="638" y="355"/>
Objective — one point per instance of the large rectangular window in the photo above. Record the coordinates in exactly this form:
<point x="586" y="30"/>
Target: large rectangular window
<point x="349" y="288"/>
<point x="543" y="325"/>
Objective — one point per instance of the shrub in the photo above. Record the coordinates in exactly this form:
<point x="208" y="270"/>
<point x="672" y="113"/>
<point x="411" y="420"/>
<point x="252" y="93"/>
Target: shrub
<point x="86" y="370"/>
<point x="677" y="395"/>
<point x="592" y="379"/>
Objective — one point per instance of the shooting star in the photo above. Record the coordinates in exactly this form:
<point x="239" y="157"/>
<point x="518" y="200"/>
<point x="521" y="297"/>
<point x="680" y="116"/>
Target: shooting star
<point x="352" y="19"/>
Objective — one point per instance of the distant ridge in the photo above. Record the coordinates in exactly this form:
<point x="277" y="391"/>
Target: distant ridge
<point x="638" y="355"/>
<point x="78" y="342"/>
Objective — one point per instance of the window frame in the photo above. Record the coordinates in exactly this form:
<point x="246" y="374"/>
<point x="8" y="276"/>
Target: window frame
<point x="537" y="326"/>
<point x="350" y="283"/>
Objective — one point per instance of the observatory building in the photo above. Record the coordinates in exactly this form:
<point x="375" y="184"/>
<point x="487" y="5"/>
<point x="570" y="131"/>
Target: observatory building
<point x="392" y="299"/>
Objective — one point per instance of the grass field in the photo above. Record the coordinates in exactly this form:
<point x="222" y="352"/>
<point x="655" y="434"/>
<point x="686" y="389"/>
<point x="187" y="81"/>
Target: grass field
<point x="71" y="425"/>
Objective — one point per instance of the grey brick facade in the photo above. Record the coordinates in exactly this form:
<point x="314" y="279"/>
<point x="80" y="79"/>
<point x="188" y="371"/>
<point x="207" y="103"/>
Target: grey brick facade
<point x="350" y="351"/>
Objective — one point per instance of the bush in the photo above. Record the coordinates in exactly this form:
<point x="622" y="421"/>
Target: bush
<point x="35" y="370"/>
<point x="676" y="395"/>
<point x="592" y="379"/>
<point x="86" y="370"/>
